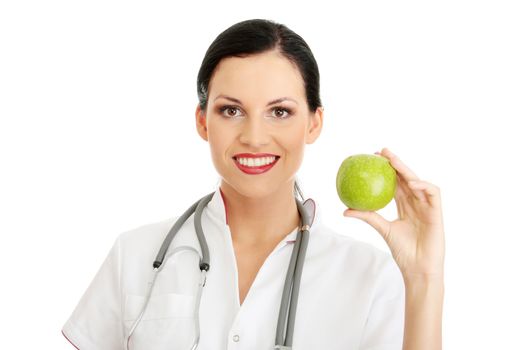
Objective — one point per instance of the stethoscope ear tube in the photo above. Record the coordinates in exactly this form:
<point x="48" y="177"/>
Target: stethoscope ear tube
<point x="197" y="220"/>
<point x="284" y="334"/>
<point x="296" y="284"/>
<point x="175" y="228"/>
<point x="288" y="308"/>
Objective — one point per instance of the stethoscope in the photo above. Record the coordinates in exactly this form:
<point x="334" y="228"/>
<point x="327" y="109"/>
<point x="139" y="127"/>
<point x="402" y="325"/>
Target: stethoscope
<point x="288" y="308"/>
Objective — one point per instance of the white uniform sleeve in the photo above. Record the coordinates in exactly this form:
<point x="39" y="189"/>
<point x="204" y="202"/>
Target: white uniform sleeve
<point x="96" y="322"/>
<point x="384" y="327"/>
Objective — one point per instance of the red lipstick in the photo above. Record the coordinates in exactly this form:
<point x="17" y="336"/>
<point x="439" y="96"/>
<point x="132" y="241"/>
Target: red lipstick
<point x="255" y="170"/>
<point x="254" y="155"/>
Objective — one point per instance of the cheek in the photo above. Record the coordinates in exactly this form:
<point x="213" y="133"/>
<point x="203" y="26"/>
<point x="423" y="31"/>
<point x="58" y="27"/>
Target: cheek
<point x="295" y="140"/>
<point x="219" y="138"/>
<point x="217" y="145"/>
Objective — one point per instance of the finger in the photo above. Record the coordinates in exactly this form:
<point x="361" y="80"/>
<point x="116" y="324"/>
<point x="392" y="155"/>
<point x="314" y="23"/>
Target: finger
<point x="401" y="186"/>
<point x="406" y="190"/>
<point x="372" y="218"/>
<point x="398" y="165"/>
<point x="431" y="192"/>
<point x="420" y="195"/>
<point x="401" y="194"/>
<point x="402" y="189"/>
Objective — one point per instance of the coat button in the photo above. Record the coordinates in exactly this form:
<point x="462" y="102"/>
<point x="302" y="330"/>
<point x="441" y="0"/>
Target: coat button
<point x="235" y="338"/>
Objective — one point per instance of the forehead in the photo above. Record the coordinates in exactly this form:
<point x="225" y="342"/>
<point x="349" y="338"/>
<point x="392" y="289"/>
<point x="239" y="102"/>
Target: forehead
<point x="262" y="76"/>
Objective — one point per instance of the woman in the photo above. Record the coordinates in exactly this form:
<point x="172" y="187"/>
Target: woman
<point x="259" y="105"/>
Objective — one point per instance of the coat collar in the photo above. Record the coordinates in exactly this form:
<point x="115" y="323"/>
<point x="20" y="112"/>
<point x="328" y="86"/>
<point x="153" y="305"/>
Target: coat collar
<point x="217" y="211"/>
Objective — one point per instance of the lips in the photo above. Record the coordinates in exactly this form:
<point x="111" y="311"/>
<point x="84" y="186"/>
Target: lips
<point x="254" y="169"/>
<point x="254" y="155"/>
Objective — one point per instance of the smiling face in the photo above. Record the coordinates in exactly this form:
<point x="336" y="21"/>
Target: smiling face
<point x="257" y="107"/>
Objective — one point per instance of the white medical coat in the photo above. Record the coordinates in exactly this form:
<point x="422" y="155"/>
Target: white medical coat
<point x="352" y="294"/>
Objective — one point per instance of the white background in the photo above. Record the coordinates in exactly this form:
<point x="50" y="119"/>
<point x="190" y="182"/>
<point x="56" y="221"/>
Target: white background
<point x="97" y="136"/>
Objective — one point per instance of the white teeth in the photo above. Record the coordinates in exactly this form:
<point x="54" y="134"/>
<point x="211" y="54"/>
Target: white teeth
<point x="253" y="162"/>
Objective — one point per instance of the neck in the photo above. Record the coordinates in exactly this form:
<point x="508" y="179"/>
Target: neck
<point x="259" y="221"/>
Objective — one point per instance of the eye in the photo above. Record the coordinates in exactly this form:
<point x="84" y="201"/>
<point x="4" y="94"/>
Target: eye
<point x="228" y="109"/>
<point x="281" y="112"/>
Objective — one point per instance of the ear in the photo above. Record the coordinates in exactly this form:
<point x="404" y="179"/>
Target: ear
<point x="315" y="125"/>
<point x="200" y="122"/>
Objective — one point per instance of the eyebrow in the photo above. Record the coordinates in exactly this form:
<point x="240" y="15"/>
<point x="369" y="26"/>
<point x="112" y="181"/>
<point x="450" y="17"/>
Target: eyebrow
<point x="281" y="99"/>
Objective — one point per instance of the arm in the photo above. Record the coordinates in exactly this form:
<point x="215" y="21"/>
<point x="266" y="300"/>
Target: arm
<point x="96" y="321"/>
<point x="423" y="313"/>
<point x="417" y="242"/>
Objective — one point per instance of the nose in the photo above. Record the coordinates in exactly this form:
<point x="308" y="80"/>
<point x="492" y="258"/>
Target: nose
<point x="254" y="132"/>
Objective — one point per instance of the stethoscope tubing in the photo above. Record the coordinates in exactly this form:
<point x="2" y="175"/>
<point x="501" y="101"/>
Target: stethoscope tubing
<point x="286" y="323"/>
<point x="196" y="208"/>
<point x="288" y="307"/>
<point x="151" y="284"/>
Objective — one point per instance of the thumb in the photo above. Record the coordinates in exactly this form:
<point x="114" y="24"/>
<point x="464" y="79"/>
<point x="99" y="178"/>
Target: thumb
<point x="372" y="218"/>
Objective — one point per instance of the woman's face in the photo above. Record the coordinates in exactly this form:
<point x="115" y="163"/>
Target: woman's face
<point x="242" y="117"/>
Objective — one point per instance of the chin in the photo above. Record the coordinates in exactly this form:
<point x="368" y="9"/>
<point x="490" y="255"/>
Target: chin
<point x="252" y="189"/>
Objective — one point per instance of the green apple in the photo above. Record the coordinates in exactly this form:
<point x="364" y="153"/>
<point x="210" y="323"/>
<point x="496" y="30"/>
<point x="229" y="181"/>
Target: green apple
<point x="366" y="182"/>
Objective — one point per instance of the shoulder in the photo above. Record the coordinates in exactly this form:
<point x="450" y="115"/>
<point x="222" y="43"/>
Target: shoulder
<point x="350" y="251"/>
<point x="352" y="256"/>
<point x="147" y="231"/>
<point x="328" y="239"/>
<point x="142" y="242"/>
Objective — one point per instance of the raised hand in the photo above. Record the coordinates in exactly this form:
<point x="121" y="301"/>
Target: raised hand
<point x="416" y="238"/>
